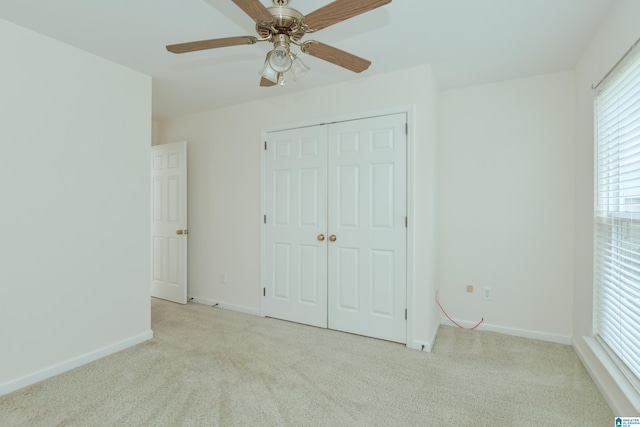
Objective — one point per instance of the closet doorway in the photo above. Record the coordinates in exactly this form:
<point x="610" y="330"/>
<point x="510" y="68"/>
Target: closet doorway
<point x="336" y="226"/>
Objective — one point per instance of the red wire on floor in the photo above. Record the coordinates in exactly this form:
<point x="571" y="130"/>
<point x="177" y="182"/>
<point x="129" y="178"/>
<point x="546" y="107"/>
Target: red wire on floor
<point x="456" y="323"/>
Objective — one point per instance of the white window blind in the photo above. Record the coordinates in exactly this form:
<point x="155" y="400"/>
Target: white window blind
<point x="617" y="220"/>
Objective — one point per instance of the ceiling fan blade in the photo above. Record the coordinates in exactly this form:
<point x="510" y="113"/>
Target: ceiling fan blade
<point x="211" y="44"/>
<point x="338" y="11"/>
<point x="255" y="10"/>
<point x="266" y="82"/>
<point x="335" y="56"/>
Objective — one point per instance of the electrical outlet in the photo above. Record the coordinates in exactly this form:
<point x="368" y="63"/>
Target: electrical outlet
<point x="487" y="294"/>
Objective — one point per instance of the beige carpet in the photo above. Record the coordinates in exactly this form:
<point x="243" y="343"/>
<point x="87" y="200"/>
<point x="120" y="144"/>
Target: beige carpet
<point x="211" y="367"/>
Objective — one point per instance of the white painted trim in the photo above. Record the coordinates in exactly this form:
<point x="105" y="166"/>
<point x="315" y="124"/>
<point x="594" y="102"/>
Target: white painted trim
<point x="226" y="306"/>
<point x="523" y="333"/>
<point x="402" y="109"/>
<point x="263" y="211"/>
<point x="422" y="345"/>
<point x="409" y="111"/>
<point x="70" y="364"/>
<point x="608" y="378"/>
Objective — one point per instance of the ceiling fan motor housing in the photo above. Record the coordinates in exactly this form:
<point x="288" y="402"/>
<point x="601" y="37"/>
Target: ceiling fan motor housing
<point x="286" y="20"/>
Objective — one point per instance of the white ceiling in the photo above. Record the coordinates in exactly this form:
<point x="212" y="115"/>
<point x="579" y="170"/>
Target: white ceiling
<point x="466" y="41"/>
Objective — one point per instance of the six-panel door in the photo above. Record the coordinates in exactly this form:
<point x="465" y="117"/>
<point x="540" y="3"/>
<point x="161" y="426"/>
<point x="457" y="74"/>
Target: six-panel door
<point x="367" y="211"/>
<point x="296" y="205"/>
<point x="169" y="222"/>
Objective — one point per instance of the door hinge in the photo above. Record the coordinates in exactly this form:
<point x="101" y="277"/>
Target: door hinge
<point x="264" y="292"/>
<point x="406" y="128"/>
<point x="406" y="222"/>
<point x="265" y="145"/>
<point x="405" y="314"/>
<point x="265" y="219"/>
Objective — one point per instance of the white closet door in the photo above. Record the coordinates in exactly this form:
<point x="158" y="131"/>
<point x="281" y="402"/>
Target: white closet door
<point x="367" y="214"/>
<point x="169" y="222"/>
<point x="344" y="183"/>
<point x="296" y="206"/>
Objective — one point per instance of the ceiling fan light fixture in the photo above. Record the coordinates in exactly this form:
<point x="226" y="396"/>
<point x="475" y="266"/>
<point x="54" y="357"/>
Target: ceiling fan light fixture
<point x="298" y="69"/>
<point x="279" y="59"/>
<point x="268" y="73"/>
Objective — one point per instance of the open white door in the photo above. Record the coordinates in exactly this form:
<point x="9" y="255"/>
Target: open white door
<point x="169" y="222"/>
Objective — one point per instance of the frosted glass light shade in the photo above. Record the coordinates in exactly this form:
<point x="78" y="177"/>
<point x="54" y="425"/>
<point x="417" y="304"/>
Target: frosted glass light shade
<point x="298" y="69"/>
<point x="268" y="73"/>
<point x="279" y="59"/>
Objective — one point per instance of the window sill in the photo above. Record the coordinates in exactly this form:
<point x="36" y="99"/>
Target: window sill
<point x="616" y="375"/>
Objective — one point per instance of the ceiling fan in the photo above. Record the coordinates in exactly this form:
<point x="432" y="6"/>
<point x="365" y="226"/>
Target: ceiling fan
<point x="283" y="26"/>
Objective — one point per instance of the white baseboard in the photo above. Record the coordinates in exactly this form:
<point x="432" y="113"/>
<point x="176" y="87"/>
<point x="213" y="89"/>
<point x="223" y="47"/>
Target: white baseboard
<point x="226" y="306"/>
<point x="70" y="364"/>
<point x="524" y="333"/>
<point x="425" y="345"/>
<point x="421" y="345"/>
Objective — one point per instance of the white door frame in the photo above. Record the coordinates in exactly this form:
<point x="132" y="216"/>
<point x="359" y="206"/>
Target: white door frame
<point x="409" y="110"/>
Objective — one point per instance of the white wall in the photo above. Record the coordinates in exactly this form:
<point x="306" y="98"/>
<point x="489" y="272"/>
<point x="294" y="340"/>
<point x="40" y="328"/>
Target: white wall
<point x="154" y="132"/>
<point x="506" y="205"/>
<point x="615" y="36"/>
<point x="74" y="183"/>
<point x="225" y="149"/>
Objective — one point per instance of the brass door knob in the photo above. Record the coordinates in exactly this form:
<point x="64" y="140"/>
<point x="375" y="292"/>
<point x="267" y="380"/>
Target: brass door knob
<point x="178" y="231"/>
<point x="321" y="237"/>
<point x="333" y="237"/>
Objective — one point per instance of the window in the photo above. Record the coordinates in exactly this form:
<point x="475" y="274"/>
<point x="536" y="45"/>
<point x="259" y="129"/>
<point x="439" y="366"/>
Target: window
<point x="617" y="220"/>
